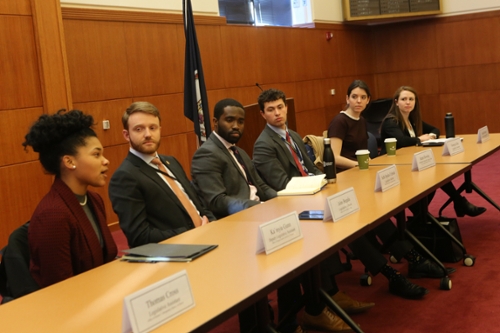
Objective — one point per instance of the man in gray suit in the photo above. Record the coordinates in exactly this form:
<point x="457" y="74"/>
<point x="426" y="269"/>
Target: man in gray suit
<point x="223" y="173"/>
<point x="153" y="201"/>
<point x="279" y="153"/>
<point x="228" y="183"/>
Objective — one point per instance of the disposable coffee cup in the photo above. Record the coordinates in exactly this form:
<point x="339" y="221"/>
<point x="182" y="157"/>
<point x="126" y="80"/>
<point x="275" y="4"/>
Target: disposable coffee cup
<point x="390" y="146"/>
<point x="363" y="157"/>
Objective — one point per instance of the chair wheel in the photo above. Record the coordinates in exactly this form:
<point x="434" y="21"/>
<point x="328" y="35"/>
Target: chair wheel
<point x="393" y="259"/>
<point x="365" y="280"/>
<point x="469" y="260"/>
<point x="445" y="283"/>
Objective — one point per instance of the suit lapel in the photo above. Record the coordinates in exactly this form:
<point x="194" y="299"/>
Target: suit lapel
<point x="150" y="172"/>
<point x="284" y="147"/>
<point x="226" y="152"/>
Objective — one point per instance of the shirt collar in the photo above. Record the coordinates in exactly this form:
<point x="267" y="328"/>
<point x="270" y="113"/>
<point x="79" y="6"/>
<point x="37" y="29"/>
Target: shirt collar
<point x="145" y="157"/>
<point x="281" y="132"/>
<point x="344" y="112"/>
<point x="224" y="142"/>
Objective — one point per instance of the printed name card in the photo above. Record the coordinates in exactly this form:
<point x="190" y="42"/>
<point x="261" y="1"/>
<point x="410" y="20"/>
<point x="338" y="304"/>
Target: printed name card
<point x="387" y="178"/>
<point x="156" y="304"/>
<point x="483" y="134"/>
<point x="423" y="160"/>
<point x="278" y="233"/>
<point x="453" y="147"/>
<point x="340" y="205"/>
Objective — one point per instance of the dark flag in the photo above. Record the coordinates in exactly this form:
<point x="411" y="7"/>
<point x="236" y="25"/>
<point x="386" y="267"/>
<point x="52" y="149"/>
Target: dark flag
<point x="195" y="93"/>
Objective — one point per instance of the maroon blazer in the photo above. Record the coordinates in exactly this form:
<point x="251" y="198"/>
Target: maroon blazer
<point x="61" y="238"/>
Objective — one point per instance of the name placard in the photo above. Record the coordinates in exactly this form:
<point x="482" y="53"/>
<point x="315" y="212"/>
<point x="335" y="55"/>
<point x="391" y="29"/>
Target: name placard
<point x="340" y="205"/>
<point x="423" y="160"/>
<point x="483" y="134"/>
<point x="156" y="304"/>
<point x="387" y="178"/>
<point x="278" y="233"/>
<point x="453" y="147"/>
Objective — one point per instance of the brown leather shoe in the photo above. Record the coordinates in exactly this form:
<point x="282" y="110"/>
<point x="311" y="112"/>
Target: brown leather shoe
<point x="326" y="321"/>
<point x="350" y="305"/>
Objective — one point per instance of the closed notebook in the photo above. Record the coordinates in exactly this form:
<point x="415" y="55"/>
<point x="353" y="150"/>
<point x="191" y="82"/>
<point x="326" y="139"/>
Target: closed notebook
<point x="304" y="185"/>
<point x="166" y="252"/>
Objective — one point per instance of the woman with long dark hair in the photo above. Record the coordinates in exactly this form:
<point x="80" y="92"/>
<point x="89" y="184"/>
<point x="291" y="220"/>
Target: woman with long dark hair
<point x="404" y="122"/>
<point x="348" y="133"/>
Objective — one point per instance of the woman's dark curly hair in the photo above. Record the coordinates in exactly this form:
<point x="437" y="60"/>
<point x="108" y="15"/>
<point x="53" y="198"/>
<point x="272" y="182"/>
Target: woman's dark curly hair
<point x="56" y="135"/>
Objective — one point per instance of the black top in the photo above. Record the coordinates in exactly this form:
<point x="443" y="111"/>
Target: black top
<point x="391" y="129"/>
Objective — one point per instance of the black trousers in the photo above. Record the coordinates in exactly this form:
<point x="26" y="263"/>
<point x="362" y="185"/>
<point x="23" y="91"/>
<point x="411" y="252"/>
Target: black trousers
<point x="370" y="255"/>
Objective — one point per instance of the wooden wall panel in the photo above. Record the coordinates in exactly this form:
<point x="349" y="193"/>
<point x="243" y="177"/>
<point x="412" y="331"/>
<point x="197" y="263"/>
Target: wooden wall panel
<point x="432" y="110"/>
<point x="311" y="122"/>
<point x="405" y="46"/>
<point x="469" y="42"/>
<point x="97" y="60"/>
<point x="154" y="58"/>
<point x="210" y="44"/>
<point x="171" y="109"/>
<point x="53" y="67"/>
<point x="310" y="95"/>
<point x="472" y="110"/>
<point x="276" y="51"/>
<point x="17" y="7"/>
<point x="20" y="83"/>
<point x="115" y="155"/>
<point x="244" y="95"/>
<point x="330" y="63"/>
<point x="424" y="82"/>
<point x="303" y="48"/>
<point x="107" y="110"/>
<point x="23" y="186"/>
<point x="241" y="55"/>
<point x="469" y="78"/>
<point x="14" y="124"/>
<point x="354" y="53"/>
<point x="179" y="147"/>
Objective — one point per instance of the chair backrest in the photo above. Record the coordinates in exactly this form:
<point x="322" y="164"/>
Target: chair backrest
<point x="372" y="145"/>
<point x="374" y="114"/>
<point x="15" y="277"/>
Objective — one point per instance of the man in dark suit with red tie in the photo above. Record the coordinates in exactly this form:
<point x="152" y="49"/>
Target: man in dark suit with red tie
<point x="279" y="153"/>
<point x="150" y="193"/>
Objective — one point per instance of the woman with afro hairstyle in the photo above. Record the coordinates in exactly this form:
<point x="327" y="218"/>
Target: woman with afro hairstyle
<point x="68" y="234"/>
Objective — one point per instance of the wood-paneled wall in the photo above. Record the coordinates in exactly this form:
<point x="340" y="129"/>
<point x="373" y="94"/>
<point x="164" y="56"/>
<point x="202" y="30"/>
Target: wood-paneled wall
<point x="33" y="82"/>
<point x="100" y="62"/>
<point x="453" y="63"/>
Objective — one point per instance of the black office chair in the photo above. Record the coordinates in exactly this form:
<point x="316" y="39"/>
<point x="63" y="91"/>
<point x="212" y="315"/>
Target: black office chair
<point x="372" y="145"/>
<point x="374" y="114"/>
<point x="15" y="277"/>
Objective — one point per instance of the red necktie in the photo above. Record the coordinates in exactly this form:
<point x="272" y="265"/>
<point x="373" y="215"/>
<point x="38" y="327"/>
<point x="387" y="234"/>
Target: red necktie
<point x="295" y="157"/>
<point x="183" y="198"/>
